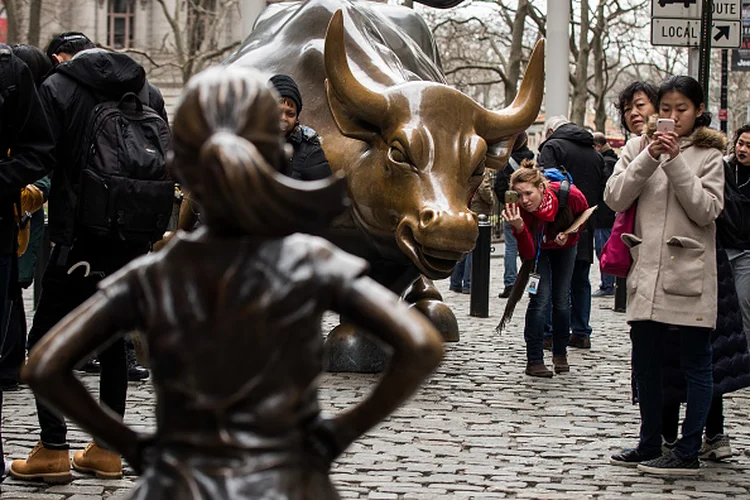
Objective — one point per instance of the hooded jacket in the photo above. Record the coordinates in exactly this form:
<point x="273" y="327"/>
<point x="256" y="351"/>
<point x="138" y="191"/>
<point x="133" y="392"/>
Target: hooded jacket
<point x="605" y="216"/>
<point x="673" y="276"/>
<point x="572" y="147"/>
<point x="309" y="162"/>
<point x="69" y="96"/>
<point x="25" y="133"/>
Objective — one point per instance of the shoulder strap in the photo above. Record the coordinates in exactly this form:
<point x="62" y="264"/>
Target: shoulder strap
<point x="562" y="195"/>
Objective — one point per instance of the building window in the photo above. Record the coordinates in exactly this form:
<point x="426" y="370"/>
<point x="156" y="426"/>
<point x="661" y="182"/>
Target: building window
<point x="120" y="18"/>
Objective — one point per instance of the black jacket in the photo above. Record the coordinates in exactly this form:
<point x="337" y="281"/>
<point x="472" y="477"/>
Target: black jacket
<point x="25" y="133"/>
<point x="309" y="162"/>
<point x="572" y="147"/>
<point x="502" y="179"/>
<point x="731" y="361"/>
<point x="69" y="96"/>
<point x="605" y="216"/>
<point x="733" y="224"/>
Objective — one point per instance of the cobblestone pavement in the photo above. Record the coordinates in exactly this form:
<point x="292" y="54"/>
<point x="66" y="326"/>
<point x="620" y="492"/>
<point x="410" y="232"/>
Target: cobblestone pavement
<point x="478" y="429"/>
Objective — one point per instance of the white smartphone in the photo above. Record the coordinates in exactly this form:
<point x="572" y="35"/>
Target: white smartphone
<point x="665" y="125"/>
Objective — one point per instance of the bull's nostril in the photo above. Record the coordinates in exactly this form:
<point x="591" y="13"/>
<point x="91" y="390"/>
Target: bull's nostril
<point x="427" y="216"/>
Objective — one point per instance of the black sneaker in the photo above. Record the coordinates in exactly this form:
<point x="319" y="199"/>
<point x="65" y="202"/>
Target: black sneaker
<point x="630" y="457"/>
<point x="506" y="292"/>
<point x="671" y="465"/>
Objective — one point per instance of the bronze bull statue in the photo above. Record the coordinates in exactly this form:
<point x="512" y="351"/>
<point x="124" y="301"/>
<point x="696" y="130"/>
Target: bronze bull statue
<point x="413" y="148"/>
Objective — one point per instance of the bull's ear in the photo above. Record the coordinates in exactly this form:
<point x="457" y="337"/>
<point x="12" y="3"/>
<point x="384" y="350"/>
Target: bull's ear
<point x="499" y="152"/>
<point x="348" y="124"/>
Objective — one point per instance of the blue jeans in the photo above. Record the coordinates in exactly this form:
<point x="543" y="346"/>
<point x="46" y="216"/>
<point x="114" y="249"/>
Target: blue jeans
<point x="555" y="269"/>
<point x="510" y="258"/>
<point x="740" y="261"/>
<point x="600" y="238"/>
<point x="461" y="276"/>
<point x="580" y="300"/>
<point x="695" y="360"/>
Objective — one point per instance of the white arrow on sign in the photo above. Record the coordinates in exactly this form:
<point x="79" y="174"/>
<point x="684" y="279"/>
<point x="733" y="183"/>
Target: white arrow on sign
<point x="730" y="10"/>
<point x="687" y="33"/>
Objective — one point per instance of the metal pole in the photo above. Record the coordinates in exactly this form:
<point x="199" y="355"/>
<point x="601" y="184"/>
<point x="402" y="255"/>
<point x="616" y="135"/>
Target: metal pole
<point x="480" y="270"/>
<point x="558" y="57"/>
<point x="705" y="46"/>
<point x="723" y="97"/>
<point x="621" y="295"/>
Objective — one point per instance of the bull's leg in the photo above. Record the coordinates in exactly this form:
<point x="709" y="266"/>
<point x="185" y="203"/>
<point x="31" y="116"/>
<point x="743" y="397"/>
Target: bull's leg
<point x="349" y="350"/>
<point x="425" y="297"/>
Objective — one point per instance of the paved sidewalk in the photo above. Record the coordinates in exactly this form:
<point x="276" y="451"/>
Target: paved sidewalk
<point x="478" y="429"/>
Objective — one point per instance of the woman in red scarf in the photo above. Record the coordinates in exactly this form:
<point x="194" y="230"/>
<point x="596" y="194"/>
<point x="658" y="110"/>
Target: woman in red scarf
<point x="539" y="228"/>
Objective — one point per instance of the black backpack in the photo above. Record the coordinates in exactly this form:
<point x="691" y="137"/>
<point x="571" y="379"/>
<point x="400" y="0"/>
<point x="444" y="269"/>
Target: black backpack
<point x="124" y="191"/>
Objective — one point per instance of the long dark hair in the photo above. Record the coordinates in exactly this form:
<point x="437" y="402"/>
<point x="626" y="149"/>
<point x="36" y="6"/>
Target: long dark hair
<point x="35" y="59"/>
<point x="227" y="142"/>
<point x="690" y="88"/>
<point x="626" y="97"/>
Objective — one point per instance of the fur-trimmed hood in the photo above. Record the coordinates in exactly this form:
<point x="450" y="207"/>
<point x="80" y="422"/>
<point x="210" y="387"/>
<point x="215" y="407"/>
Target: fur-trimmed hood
<point x="702" y="137"/>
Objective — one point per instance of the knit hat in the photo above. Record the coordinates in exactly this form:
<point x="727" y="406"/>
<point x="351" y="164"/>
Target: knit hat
<point x="555" y="123"/>
<point x="286" y="87"/>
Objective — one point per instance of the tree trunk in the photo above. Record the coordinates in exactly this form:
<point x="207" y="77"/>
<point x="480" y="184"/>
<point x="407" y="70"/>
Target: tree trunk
<point x="600" y="85"/>
<point x="14" y="21"/>
<point x="513" y="72"/>
<point x="580" y="86"/>
<point x="35" y="14"/>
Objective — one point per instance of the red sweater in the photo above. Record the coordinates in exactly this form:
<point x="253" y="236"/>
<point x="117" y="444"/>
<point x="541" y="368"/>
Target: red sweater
<point x="545" y="215"/>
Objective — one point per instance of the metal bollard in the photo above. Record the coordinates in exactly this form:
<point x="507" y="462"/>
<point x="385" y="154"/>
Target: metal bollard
<point x="480" y="270"/>
<point x="621" y="295"/>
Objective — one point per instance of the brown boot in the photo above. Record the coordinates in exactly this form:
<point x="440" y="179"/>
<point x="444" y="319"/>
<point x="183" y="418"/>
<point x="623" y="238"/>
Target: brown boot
<point x="51" y="466"/>
<point x="538" y="370"/>
<point x="96" y="460"/>
<point x="560" y="362"/>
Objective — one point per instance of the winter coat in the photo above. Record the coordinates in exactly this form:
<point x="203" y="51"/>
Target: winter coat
<point x="69" y="96"/>
<point x="309" y="162"/>
<point x="673" y="276"/>
<point x="605" y="216"/>
<point x="731" y="360"/>
<point x="543" y="219"/>
<point x="572" y="147"/>
<point x="502" y="179"/>
<point x="733" y="225"/>
<point x="24" y="132"/>
<point x="483" y="201"/>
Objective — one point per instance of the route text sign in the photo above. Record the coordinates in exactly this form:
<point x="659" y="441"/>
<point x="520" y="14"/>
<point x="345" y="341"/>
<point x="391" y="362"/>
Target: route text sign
<point x="677" y="23"/>
<point x="727" y="10"/>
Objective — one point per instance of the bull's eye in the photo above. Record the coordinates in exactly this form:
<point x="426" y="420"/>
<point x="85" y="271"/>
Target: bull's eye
<point x="397" y="155"/>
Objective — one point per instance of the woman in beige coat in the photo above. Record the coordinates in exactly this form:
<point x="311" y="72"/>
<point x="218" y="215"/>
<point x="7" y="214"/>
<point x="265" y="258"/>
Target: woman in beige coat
<point x="677" y="179"/>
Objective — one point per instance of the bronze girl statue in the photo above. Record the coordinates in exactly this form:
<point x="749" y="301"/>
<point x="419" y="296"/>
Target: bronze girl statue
<point x="231" y="314"/>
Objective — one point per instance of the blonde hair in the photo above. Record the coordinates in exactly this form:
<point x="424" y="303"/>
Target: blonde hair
<point x="529" y="172"/>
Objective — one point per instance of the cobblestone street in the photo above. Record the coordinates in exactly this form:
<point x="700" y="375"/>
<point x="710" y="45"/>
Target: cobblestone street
<point x="479" y="428"/>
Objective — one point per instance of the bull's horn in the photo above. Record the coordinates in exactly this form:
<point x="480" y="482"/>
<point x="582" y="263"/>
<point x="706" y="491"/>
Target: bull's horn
<point x="358" y="99"/>
<point x="494" y="126"/>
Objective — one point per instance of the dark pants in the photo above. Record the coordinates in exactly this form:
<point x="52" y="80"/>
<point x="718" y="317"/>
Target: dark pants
<point x="461" y="276"/>
<point x="63" y="292"/>
<point x="14" y="347"/>
<point x="555" y="268"/>
<point x="7" y="275"/>
<point x="580" y="299"/>
<point x="670" y="421"/>
<point x="695" y="360"/>
<point x="600" y="238"/>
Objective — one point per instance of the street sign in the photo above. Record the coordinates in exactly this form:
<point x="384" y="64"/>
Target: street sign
<point x="728" y="10"/>
<point x="687" y="33"/>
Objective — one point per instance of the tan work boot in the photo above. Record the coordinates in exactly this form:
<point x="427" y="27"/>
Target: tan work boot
<point x="96" y="460"/>
<point x="51" y="466"/>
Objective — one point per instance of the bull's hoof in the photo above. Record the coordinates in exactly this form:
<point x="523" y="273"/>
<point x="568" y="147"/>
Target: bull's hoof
<point x="347" y="350"/>
<point x="441" y="316"/>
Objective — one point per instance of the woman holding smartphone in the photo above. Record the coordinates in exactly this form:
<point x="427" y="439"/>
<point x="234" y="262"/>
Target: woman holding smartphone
<point x="538" y="225"/>
<point x="678" y="180"/>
